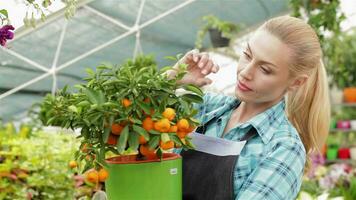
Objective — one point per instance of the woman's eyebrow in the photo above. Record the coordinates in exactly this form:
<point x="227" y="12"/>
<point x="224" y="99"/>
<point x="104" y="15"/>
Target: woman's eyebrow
<point x="262" y="61"/>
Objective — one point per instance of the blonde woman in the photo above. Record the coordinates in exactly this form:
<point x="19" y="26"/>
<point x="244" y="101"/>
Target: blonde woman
<point x="280" y="113"/>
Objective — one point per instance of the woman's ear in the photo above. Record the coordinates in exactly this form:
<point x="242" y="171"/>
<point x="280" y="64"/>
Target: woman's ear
<point x="297" y="82"/>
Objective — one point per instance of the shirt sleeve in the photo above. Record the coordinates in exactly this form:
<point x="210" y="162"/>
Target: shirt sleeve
<point x="277" y="176"/>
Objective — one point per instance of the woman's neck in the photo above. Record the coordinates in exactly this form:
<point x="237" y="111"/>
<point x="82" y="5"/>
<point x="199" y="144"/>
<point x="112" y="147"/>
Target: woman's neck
<point x="246" y="111"/>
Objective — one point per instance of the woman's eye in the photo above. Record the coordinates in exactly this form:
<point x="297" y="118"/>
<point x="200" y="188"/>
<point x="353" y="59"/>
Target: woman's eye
<point x="266" y="71"/>
<point x="247" y="55"/>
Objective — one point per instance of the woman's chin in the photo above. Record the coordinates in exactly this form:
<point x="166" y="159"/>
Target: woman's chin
<point x="240" y="96"/>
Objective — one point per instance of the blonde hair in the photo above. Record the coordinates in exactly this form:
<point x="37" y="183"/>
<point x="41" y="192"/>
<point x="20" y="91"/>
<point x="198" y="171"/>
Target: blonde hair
<point x="308" y="107"/>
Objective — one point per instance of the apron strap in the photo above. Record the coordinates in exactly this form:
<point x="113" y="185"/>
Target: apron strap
<point x="250" y="134"/>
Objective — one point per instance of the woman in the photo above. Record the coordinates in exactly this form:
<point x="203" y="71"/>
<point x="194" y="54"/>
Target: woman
<point x="281" y="110"/>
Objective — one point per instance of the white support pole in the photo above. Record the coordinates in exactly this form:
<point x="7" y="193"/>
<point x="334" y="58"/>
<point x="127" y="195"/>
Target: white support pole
<point x="166" y="13"/>
<point x="110" y="19"/>
<point x="48" y="73"/>
<point x="56" y="56"/>
<point x="22" y="31"/>
<point x="138" y="48"/>
<point x="124" y="35"/>
<point x="138" y="18"/>
<point x="65" y="65"/>
<point x="23" y="58"/>
<point x="14" y="90"/>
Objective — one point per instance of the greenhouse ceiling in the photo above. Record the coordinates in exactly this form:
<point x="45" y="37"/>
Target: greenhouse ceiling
<point x="39" y="61"/>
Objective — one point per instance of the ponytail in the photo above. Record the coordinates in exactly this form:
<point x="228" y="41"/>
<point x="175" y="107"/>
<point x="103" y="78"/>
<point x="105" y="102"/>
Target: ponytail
<point x="308" y="108"/>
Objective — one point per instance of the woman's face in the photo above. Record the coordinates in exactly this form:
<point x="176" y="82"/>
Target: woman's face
<point x="262" y="71"/>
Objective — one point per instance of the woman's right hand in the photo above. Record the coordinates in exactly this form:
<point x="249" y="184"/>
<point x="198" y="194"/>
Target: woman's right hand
<point x="199" y="66"/>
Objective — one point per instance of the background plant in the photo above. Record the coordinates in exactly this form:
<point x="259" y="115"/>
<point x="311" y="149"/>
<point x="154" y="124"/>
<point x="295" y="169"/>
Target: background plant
<point x="227" y="29"/>
<point x="338" y="46"/>
<point x="34" y="165"/>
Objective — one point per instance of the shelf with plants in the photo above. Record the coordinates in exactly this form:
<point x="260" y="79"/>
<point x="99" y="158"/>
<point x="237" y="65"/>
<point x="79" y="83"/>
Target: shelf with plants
<point x="340" y="130"/>
<point x="341" y="148"/>
<point x="347" y="161"/>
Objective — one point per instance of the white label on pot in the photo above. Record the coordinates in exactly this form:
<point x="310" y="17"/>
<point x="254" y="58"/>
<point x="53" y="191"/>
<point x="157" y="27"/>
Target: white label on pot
<point x="173" y="171"/>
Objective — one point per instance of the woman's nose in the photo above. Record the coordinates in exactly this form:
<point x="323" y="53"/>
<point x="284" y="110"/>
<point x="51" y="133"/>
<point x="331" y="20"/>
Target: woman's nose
<point x="247" y="72"/>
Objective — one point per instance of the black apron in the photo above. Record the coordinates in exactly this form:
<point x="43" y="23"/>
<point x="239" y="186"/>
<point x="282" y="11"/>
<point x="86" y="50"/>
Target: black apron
<point x="207" y="176"/>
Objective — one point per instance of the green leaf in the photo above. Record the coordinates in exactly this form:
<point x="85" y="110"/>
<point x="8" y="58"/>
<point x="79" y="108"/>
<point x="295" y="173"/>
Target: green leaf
<point x="164" y="69"/>
<point x="105" y="66"/>
<point x="121" y="145"/>
<point x="194" y="120"/>
<point x="192" y="98"/>
<point x="50" y="121"/>
<point x="85" y="132"/>
<point x="176" y="139"/>
<point x="153" y="143"/>
<point x="165" y="137"/>
<point x="110" y="104"/>
<point x="194" y="88"/>
<point x="91" y="94"/>
<point x="171" y="58"/>
<point x="73" y="108"/>
<point x="159" y="153"/>
<point x="189" y="143"/>
<point x="133" y="140"/>
<point x="4" y="12"/>
<point x="83" y="103"/>
<point x="106" y="133"/>
<point x="141" y="131"/>
<point x="101" y="97"/>
<point x="154" y="132"/>
<point x="144" y="106"/>
<point x="90" y="72"/>
<point x="172" y="101"/>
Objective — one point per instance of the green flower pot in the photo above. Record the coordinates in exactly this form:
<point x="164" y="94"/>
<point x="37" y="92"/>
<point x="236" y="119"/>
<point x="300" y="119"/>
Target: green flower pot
<point x="331" y="153"/>
<point x="147" y="179"/>
<point x="333" y="123"/>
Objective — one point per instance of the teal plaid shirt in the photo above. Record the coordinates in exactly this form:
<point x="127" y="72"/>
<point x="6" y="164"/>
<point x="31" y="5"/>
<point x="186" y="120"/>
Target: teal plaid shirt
<point x="271" y="165"/>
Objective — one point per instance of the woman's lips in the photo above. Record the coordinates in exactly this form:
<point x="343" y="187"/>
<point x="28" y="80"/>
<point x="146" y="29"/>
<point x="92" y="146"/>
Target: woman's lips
<point x="243" y="87"/>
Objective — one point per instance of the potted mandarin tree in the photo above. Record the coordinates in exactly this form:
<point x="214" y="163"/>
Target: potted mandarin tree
<point x="130" y="118"/>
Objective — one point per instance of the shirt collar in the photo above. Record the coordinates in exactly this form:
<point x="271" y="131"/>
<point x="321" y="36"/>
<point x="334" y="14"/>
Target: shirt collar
<point x="267" y="122"/>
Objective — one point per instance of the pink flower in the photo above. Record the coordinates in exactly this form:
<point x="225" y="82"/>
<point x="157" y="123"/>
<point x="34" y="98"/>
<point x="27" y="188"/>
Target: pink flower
<point x="6" y="34"/>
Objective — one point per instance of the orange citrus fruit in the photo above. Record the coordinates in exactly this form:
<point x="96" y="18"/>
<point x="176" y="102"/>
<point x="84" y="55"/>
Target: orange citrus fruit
<point x="103" y="175"/>
<point x="73" y="164"/>
<point x="166" y="145"/>
<point x="116" y="128"/>
<point x="126" y="102"/>
<point x="147" y="124"/>
<point x="173" y="129"/>
<point x="142" y="140"/>
<point x="162" y="125"/>
<point x="85" y="148"/>
<point x="169" y="113"/>
<point x="181" y="134"/>
<point x="147" y="152"/>
<point x="92" y="176"/>
<point x="112" y="140"/>
<point x="183" y="125"/>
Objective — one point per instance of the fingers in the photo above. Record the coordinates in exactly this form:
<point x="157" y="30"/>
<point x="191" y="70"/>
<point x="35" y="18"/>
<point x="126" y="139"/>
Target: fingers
<point x="192" y="56"/>
<point x="207" y="67"/>
<point x="204" y="58"/>
<point x="215" y="68"/>
<point x="203" y="81"/>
